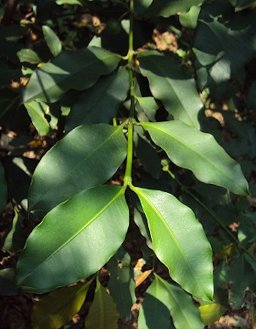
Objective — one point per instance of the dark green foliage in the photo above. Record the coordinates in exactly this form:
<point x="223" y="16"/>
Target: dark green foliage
<point x="128" y="160"/>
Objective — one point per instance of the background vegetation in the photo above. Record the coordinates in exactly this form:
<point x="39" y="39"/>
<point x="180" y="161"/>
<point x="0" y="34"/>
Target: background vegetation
<point x="206" y="50"/>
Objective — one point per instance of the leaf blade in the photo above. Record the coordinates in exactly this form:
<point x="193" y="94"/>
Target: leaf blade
<point x="52" y="40"/>
<point x="79" y="161"/>
<point x="67" y="71"/>
<point x="176" y="224"/>
<point x="102" y="313"/>
<point x="198" y="152"/>
<point x="36" y="112"/>
<point x="99" y="103"/>
<point x="56" y="309"/>
<point x="96" y="214"/>
<point x="171" y="85"/>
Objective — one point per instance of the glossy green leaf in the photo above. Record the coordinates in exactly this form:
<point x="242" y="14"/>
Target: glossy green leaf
<point x="77" y="70"/>
<point x="3" y="188"/>
<point x="154" y="312"/>
<point x="163" y="299"/>
<point x="211" y="312"/>
<point x="102" y="313"/>
<point x="183" y="310"/>
<point x="100" y="103"/>
<point x="15" y="238"/>
<point x="179" y="241"/>
<point x="192" y="149"/>
<point x="189" y="19"/>
<point x="52" y="40"/>
<point x="171" y="85"/>
<point x="148" y="106"/>
<point x="89" y="155"/>
<point x="168" y="8"/>
<point x="36" y="111"/>
<point x="57" y="308"/>
<point x="121" y="284"/>
<point x="141" y="222"/>
<point x="68" y="2"/>
<point x="29" y="56"/>
<point x="79" y="236"/>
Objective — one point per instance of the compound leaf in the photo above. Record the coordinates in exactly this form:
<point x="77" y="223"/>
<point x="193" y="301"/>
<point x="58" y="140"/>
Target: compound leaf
<point x="179" y="241"/>
<point x="86" y="157"/>
<point x="78" y="237"/>
<point x="192" y="149"/>
<point x="171" y="85"/>
<point x="77" y="70"/>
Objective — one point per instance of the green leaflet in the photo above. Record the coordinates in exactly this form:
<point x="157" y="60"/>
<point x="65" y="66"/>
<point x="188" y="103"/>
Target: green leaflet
<point x="165" y="299"/>
<point x="77" y="70"/>
<point x="87" y="156"/>
<point x="199" y="152"/>
<point x="68" y="2"/>
<point x="184" y="313"/>
<point x="36" y="111"/>
<point x="146" y="108"/>
<point x="179" y="241"/>
<point x="29" y="56"/>
<point x="172" y="86"/>
<point x="57" y="308"/>
<point x="168" y="8"/>
<point x="154" y="312"/>
<point x="121" y="283"/>
<point x="102" y="313"/>
<point x="78" y="237"/>
<point x="189" y="19"/>
<point x="100" y="103"/>
<point x="52" y="40"/>
<point x="15" y="239"/>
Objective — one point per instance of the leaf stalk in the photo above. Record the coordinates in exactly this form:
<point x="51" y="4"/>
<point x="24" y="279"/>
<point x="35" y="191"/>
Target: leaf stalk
<point x="130" y="55"/>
